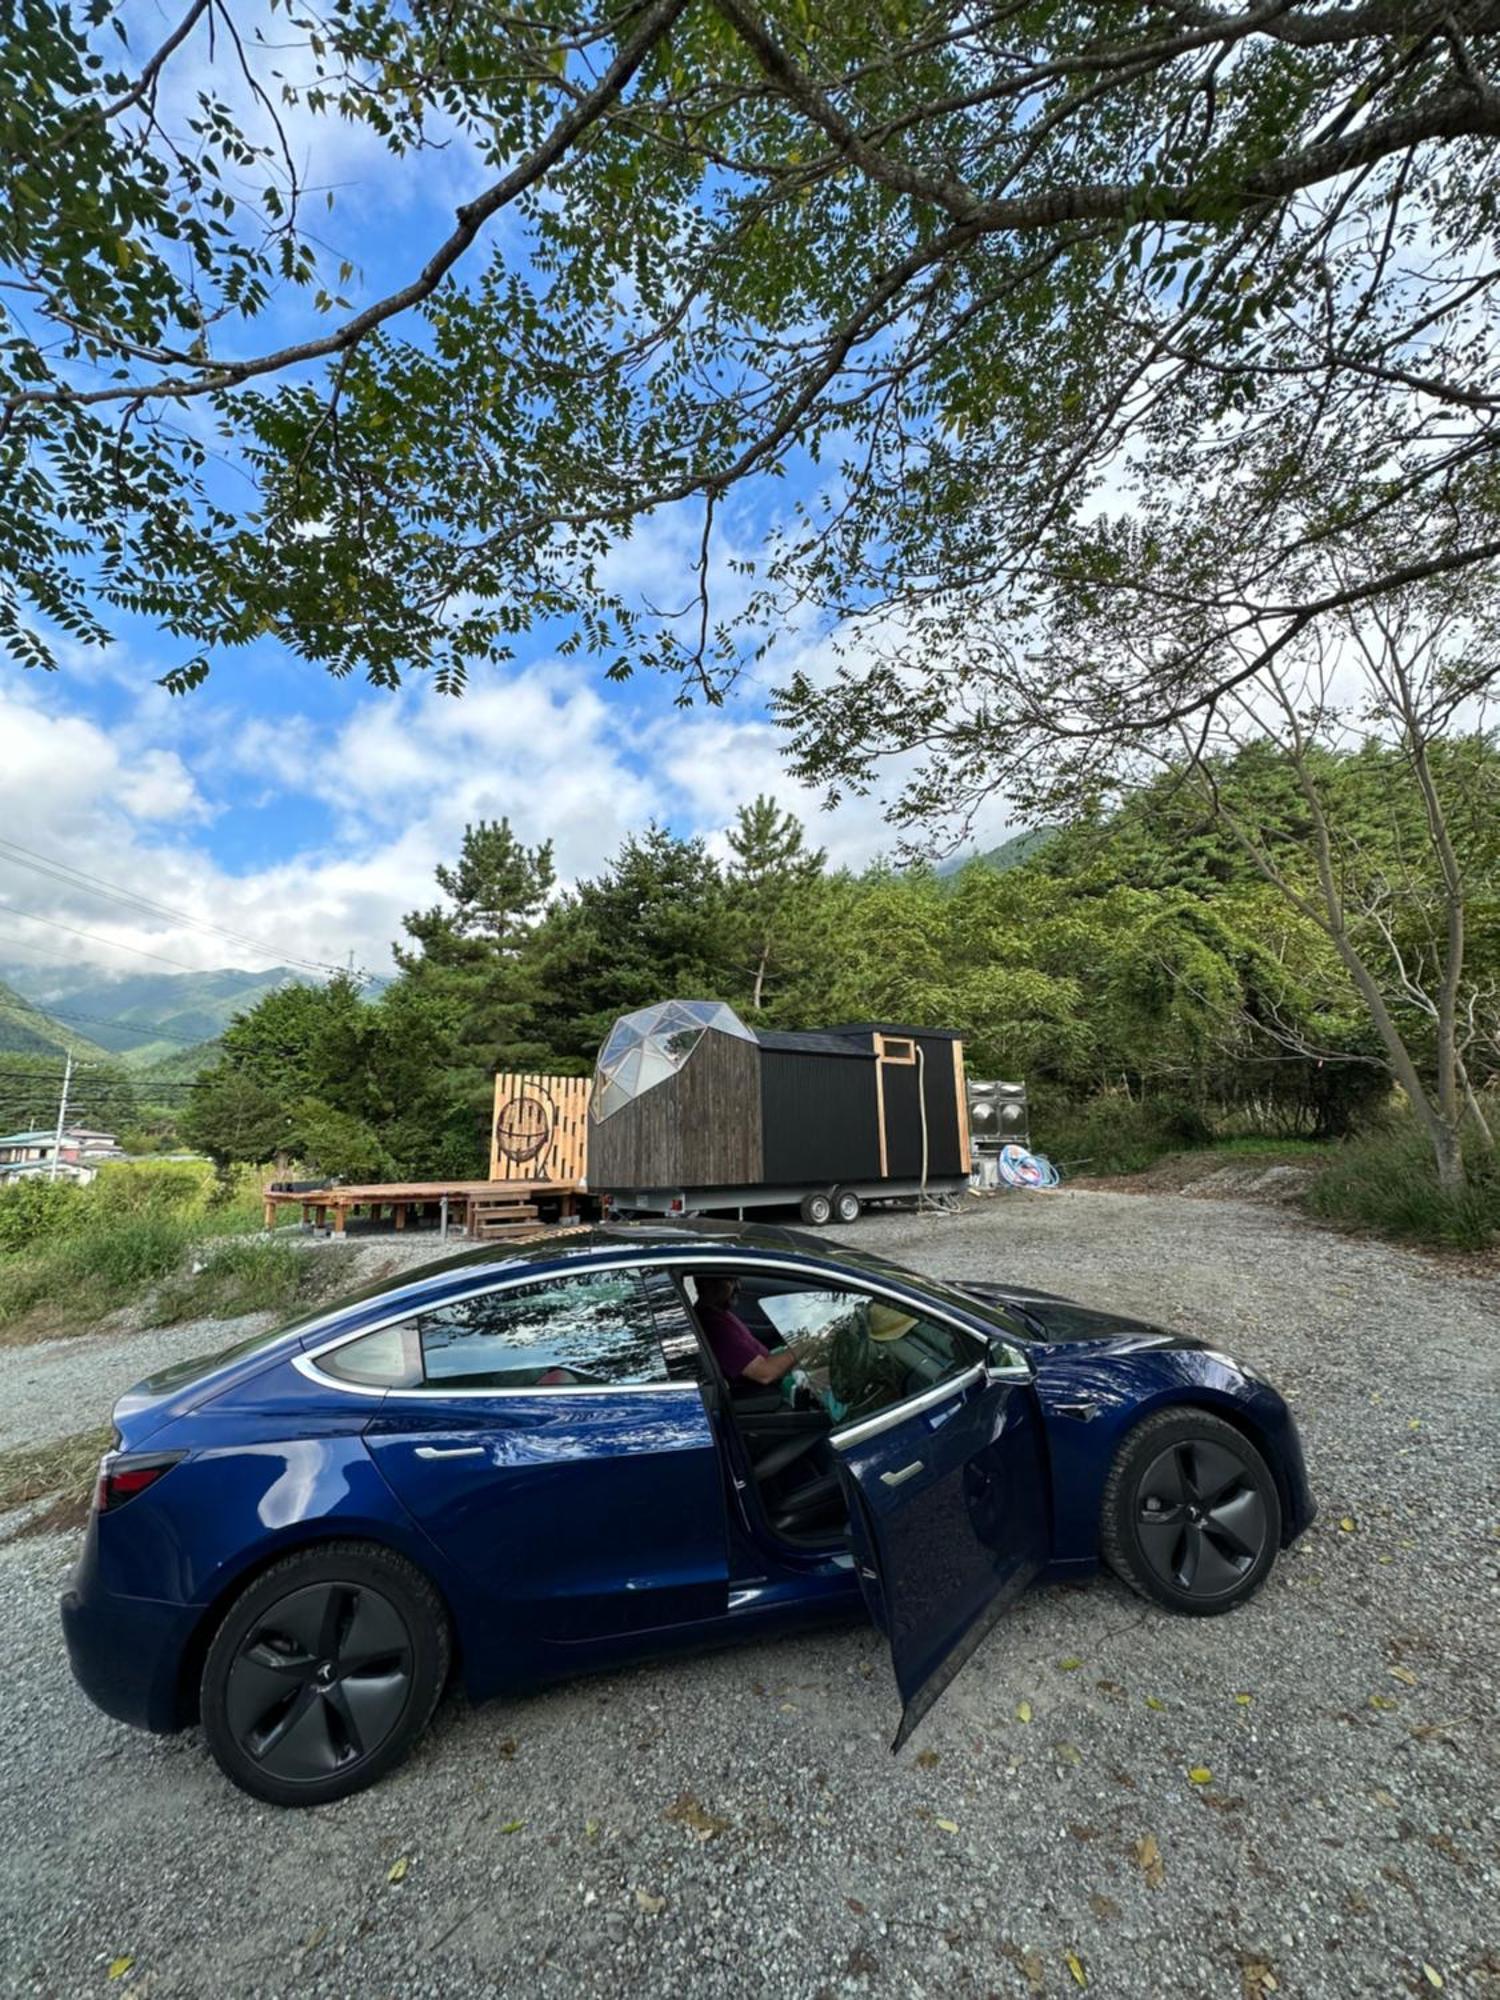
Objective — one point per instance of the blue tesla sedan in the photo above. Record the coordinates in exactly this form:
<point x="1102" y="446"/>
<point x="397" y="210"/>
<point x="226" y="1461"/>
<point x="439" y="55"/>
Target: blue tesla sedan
<point x="534" y="1459"/>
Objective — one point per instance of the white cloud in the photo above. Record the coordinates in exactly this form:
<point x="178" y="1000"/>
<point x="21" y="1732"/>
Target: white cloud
<point x="157" y="802"/>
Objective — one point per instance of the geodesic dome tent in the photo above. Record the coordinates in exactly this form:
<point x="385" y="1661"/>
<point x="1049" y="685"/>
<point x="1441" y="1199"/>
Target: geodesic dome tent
<point x="650" y="1046"/>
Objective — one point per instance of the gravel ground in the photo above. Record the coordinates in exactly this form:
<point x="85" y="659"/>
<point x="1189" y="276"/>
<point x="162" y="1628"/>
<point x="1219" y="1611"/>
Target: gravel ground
<point x="735" y="1824"/>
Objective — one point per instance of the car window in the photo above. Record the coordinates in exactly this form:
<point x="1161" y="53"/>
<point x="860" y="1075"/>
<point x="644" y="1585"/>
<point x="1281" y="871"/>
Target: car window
<point x="593" y="1330"/>
<point x="386" y="1359"/>
<point x="863" y="1354"/>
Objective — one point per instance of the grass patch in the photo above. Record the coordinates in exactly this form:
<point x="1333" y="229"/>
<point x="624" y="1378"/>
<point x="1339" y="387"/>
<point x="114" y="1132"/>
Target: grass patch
<point x="62" y="1471"/>
<point x="76" y="1254"/>
<point x="75" y="1280"/>
<point x="1385" y="1184"/>
<point x="256" y="1275"/>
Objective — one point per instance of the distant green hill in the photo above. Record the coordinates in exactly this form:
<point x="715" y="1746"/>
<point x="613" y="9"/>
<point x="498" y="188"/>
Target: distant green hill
<point x="1023" y="846"/>
<point x="146" y="1015"/>
<point x="28" y="1030"/>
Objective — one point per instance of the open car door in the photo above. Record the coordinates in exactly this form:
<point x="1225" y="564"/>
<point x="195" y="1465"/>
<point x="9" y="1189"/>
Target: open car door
<point x="950" y="1517"/>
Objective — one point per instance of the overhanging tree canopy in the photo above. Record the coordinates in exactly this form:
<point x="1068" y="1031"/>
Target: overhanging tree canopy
<point x="984" y="278"/>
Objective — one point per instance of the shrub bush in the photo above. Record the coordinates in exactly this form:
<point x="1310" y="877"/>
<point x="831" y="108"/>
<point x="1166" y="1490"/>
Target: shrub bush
<point x="33" y="1210"/>
<point x="1112" y="1133"/>
<point x="1386" y="1182"/>
<point x="88" y="1272"/>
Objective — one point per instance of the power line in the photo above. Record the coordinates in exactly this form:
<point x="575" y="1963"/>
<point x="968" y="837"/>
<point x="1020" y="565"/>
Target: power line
<point x="98" y="886"/>
<point x="113" y="944"/>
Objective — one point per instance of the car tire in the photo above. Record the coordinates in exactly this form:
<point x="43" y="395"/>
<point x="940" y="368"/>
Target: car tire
<point x="1191" y="1517"/>
<point x="323" y="1673"/>
<point x="817" y="1210"/>
<point x="847" y="1206"/>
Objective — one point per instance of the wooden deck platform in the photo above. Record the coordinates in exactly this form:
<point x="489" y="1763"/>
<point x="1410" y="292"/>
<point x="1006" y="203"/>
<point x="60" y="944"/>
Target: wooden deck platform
<point x="484" y="1209"/>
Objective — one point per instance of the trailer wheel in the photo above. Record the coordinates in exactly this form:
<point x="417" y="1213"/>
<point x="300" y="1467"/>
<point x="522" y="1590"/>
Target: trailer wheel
<point x="817" y="1210"/>
<point x="847" y="1206"/>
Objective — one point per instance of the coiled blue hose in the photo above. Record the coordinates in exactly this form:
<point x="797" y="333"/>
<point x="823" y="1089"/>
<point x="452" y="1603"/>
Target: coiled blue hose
<point x="1021" y="1169"/>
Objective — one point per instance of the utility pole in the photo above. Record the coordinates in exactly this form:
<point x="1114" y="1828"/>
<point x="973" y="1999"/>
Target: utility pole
<point x="62" y="1114"/>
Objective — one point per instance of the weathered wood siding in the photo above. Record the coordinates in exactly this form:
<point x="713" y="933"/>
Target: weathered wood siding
<point x="701" y="1128"/>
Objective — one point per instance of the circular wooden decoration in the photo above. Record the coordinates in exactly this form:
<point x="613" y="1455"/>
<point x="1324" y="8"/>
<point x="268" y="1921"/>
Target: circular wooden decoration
<point x="524" y="1127"/>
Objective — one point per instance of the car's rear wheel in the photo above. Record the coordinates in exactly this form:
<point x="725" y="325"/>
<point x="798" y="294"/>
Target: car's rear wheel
<point x="1191" y="1516"/>
<point x="817" y="1209"/>
<point x="323" y="1673"/>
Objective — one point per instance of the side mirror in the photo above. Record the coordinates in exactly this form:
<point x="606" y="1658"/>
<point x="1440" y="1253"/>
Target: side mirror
<point x="1007" y="1362"/>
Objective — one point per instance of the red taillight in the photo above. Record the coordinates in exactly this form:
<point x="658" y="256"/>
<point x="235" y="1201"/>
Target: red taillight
<point x="122" y="1478"/>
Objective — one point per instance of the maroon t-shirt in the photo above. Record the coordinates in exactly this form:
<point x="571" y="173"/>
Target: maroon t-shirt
<point x="734" y="1345"/>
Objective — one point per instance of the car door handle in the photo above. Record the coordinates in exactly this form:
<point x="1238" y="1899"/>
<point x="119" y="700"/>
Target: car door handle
<point x="900" y="1478"/>
<point x="450" y="1451"/>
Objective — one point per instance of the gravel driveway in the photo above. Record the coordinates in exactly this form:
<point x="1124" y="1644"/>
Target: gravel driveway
<point x="735" y="1824"/>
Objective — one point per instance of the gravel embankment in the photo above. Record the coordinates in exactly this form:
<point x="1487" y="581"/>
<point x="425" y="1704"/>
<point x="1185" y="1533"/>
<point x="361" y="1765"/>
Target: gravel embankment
<point x="52" y="1387"/>
<point x="735" y="1824"/>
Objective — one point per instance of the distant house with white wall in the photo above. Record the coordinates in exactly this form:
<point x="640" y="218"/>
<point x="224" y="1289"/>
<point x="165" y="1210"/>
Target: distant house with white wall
<point x="24" y="1155"/>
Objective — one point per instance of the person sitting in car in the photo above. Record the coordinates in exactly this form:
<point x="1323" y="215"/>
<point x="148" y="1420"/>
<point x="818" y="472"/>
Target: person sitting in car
<point x="739" y="1353"/>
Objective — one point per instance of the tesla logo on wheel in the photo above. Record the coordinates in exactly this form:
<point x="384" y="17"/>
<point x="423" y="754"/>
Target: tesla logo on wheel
<point x="524" y="1127"/>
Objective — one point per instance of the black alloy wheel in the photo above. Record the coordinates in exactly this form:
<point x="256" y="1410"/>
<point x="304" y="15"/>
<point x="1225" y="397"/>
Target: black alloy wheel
<point x="1191" y="1514"/>
<point x="324" y="1673"/>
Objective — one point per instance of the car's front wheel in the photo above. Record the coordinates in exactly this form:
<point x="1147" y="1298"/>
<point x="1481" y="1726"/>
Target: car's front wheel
<point x="1191" y="1516"/>
<point x="323" y="1673"/>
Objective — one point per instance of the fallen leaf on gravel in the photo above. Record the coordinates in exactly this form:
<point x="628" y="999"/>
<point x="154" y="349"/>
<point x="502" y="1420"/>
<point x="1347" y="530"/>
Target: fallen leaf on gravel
<point x="1257" y="1978"/>
<point x="507" y="1746"/>
<point x="1383" y="1798"/>
<point x="591" y="1829"/>
<point x="1201" y="1775"/>
<point x="1067" y="1753"/>
<point x="1433" y="1977"/>
<point x="1405" y="1675"/>
<point x="1033" y="1971"/>
<point x="687" y="1811"/>
<point x="1347" y="1524"/>
<point x="1075" y="1966"/>
<point x="856" y="1905"/>
<point x="649" y="1905"/>
<point x="1244" y="1700"/>
<point x="118" y="1967"/>
<point x="1104" y="1907"/>
<point x="397" y="1870"/>
<point x="1414" y="1423"/>
<point x="1149" y="1861"/>
<point x="511" y="1826"/>
<point x="947" y="1825"/>
<point x="926" y="1760"/>
<point x="1152" y="1702"/>
<point x="1383" y="1701"/>
<point x="1069" y="1665"/>
<point x="1023" y="1711"/>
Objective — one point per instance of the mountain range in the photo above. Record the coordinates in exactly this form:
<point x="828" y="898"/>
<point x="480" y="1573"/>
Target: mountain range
<point x="138" y="1019"/>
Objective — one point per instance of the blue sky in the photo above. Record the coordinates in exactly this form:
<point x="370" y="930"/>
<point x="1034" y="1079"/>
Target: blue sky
<point x="310" y="813"/>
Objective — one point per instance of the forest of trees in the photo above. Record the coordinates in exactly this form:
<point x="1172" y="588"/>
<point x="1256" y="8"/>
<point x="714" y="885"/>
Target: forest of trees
<point x="1139" y="955"/>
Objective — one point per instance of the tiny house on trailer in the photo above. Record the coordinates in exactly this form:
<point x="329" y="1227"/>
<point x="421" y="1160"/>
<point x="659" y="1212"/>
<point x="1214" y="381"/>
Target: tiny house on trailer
<point x="693" y="1112"/>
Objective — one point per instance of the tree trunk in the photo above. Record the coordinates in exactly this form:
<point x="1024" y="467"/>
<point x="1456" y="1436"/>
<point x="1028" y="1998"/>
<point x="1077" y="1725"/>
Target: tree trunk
<point x="760" y="978"/>
<point x="1448" y="1149"/>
